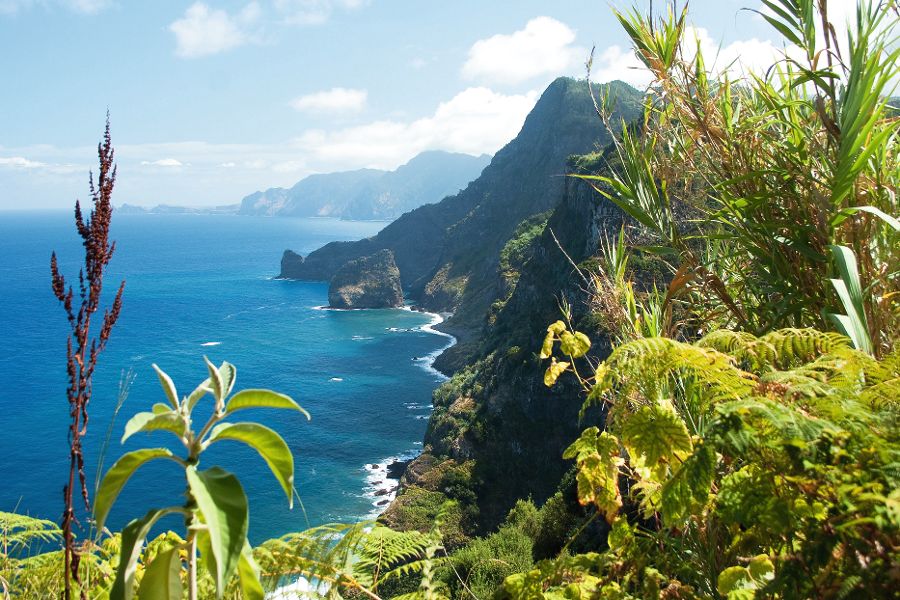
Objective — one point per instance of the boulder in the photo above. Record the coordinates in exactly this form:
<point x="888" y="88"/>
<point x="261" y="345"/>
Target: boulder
<point x="368" y="282"/>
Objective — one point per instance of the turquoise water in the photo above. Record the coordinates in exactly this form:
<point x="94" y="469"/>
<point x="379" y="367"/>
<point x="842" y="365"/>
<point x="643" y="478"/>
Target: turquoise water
<point x="202" y="285"/>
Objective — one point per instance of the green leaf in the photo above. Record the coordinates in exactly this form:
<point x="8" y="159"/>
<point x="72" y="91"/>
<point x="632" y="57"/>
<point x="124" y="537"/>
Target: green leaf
<point x="162" y="579"/>
<point x="248" y="572"/>
<point x="733" y="579"/>
<point x="118" y="475"/>
<point x="556" y="328"/>
<point x="202" y="389"/>
<point x="655" y="433"/>
<point x="575" y="344"/>
<point x="228" y="374"/>
<point x="223" y="504"/>
<point x="554" y="371"/>
<point x="151" y="421"/>
<point x="270" y="446"/>
<point x="849" y="289"/>
<point x="159" y="408"/>
<point x="843" y="214"/>
<point x="597" y="455"/>
<point x="168" y="386"/>
<point x="215" y="382"/>
<point x="133" y="536"/>
<point x="547" y="346"/>
<point x="261" y="399"/>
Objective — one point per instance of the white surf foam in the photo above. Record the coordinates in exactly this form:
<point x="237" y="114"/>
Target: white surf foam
<point x="210" y="343"/>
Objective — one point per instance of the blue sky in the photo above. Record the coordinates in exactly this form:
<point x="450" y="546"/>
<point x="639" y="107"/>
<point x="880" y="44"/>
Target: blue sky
<point x="213" y="100"/>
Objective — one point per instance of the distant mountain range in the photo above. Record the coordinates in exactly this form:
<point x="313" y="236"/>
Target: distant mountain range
<point x="364" y="194"/>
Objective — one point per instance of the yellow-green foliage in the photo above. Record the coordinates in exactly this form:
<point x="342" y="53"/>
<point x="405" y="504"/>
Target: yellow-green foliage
<point x="782" y="447"/>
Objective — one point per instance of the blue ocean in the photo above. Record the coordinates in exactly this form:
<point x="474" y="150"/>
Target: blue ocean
<point x="203" y="285"/>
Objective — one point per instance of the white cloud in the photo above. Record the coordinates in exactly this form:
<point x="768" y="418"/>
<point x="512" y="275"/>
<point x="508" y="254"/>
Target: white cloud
<point x="19" y="162"/>
<point x="203" y="31"/>
<point x="335" y="100"/>
<point x="615" y="63"/>
<point x="543" y="47"/>
<point x="475" y="121"/>
<point x="313" y="12"/>
<point x="163" y="162"/>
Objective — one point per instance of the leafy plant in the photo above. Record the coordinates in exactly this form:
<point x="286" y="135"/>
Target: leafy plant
<point x="782" y="448"/>
<point x="748" y="181"/>
<point x="216" y="512"/>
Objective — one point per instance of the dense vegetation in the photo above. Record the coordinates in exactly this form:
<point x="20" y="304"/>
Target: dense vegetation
<point x="732" y="348"/>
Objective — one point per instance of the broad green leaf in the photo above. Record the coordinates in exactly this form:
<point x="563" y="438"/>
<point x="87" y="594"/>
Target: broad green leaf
<point x="554" y="371"/>
<point x="248" y="572"/>
<point x="228" y="374"/>
<point x="133" y="536"/>
<point x="215" y="382"/>
<point x="575" y="344"/>
<point x="761" y="568"/>
<point x="261" y="399"/>
<point x="148" y="421"/>
<point x="547" y="346"/>
<point x="655" y="433"/>
<point x="597" y="455"/>
<point x="733" y="579"/>
<point x="162" y="579"/>
<point x="270" y="446"/>
<point x="202" y="389"/>
<point x="556" y="328"/>
<point x="118" y="475"/>
<point x="223" y="504"/>
<point x="168" y="386"/>
<point x="159" y="408"/>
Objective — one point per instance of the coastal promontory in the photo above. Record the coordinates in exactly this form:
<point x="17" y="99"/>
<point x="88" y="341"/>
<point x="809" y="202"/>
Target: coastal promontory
<point x="368" y="282"/>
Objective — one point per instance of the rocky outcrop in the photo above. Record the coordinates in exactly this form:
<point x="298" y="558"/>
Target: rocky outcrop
<point x="368" y="282"/>
<point x="291" y="262"/>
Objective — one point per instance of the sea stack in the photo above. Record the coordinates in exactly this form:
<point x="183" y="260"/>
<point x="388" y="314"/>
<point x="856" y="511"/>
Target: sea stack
<point x="368" y="282"/>
<point x="290" y="265"/>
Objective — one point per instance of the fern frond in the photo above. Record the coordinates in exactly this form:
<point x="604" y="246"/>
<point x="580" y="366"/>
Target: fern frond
<point x="20" y="533"/>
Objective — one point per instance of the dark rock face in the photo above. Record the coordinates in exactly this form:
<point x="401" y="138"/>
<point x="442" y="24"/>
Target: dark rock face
<point x="291" y="263"/>
<point x="368" y="282"/>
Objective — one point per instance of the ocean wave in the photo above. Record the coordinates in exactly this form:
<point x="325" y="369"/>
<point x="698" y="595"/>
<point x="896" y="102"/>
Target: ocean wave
<point x="210" y="343"/>
<point x="382" y="484"/>
<point x="427" y="361"/>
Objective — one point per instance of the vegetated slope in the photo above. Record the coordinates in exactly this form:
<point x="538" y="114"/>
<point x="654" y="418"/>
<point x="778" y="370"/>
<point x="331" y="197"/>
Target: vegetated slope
<point x="370" y="193"/>
<point x="495" y="420"/>
<point x="448" y="252"/>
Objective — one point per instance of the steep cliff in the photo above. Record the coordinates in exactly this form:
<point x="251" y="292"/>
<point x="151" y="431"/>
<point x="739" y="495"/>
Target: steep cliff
<point x="484" y="414"/>
<point x="448" y="253"/>
<point x="367" y="282"/>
